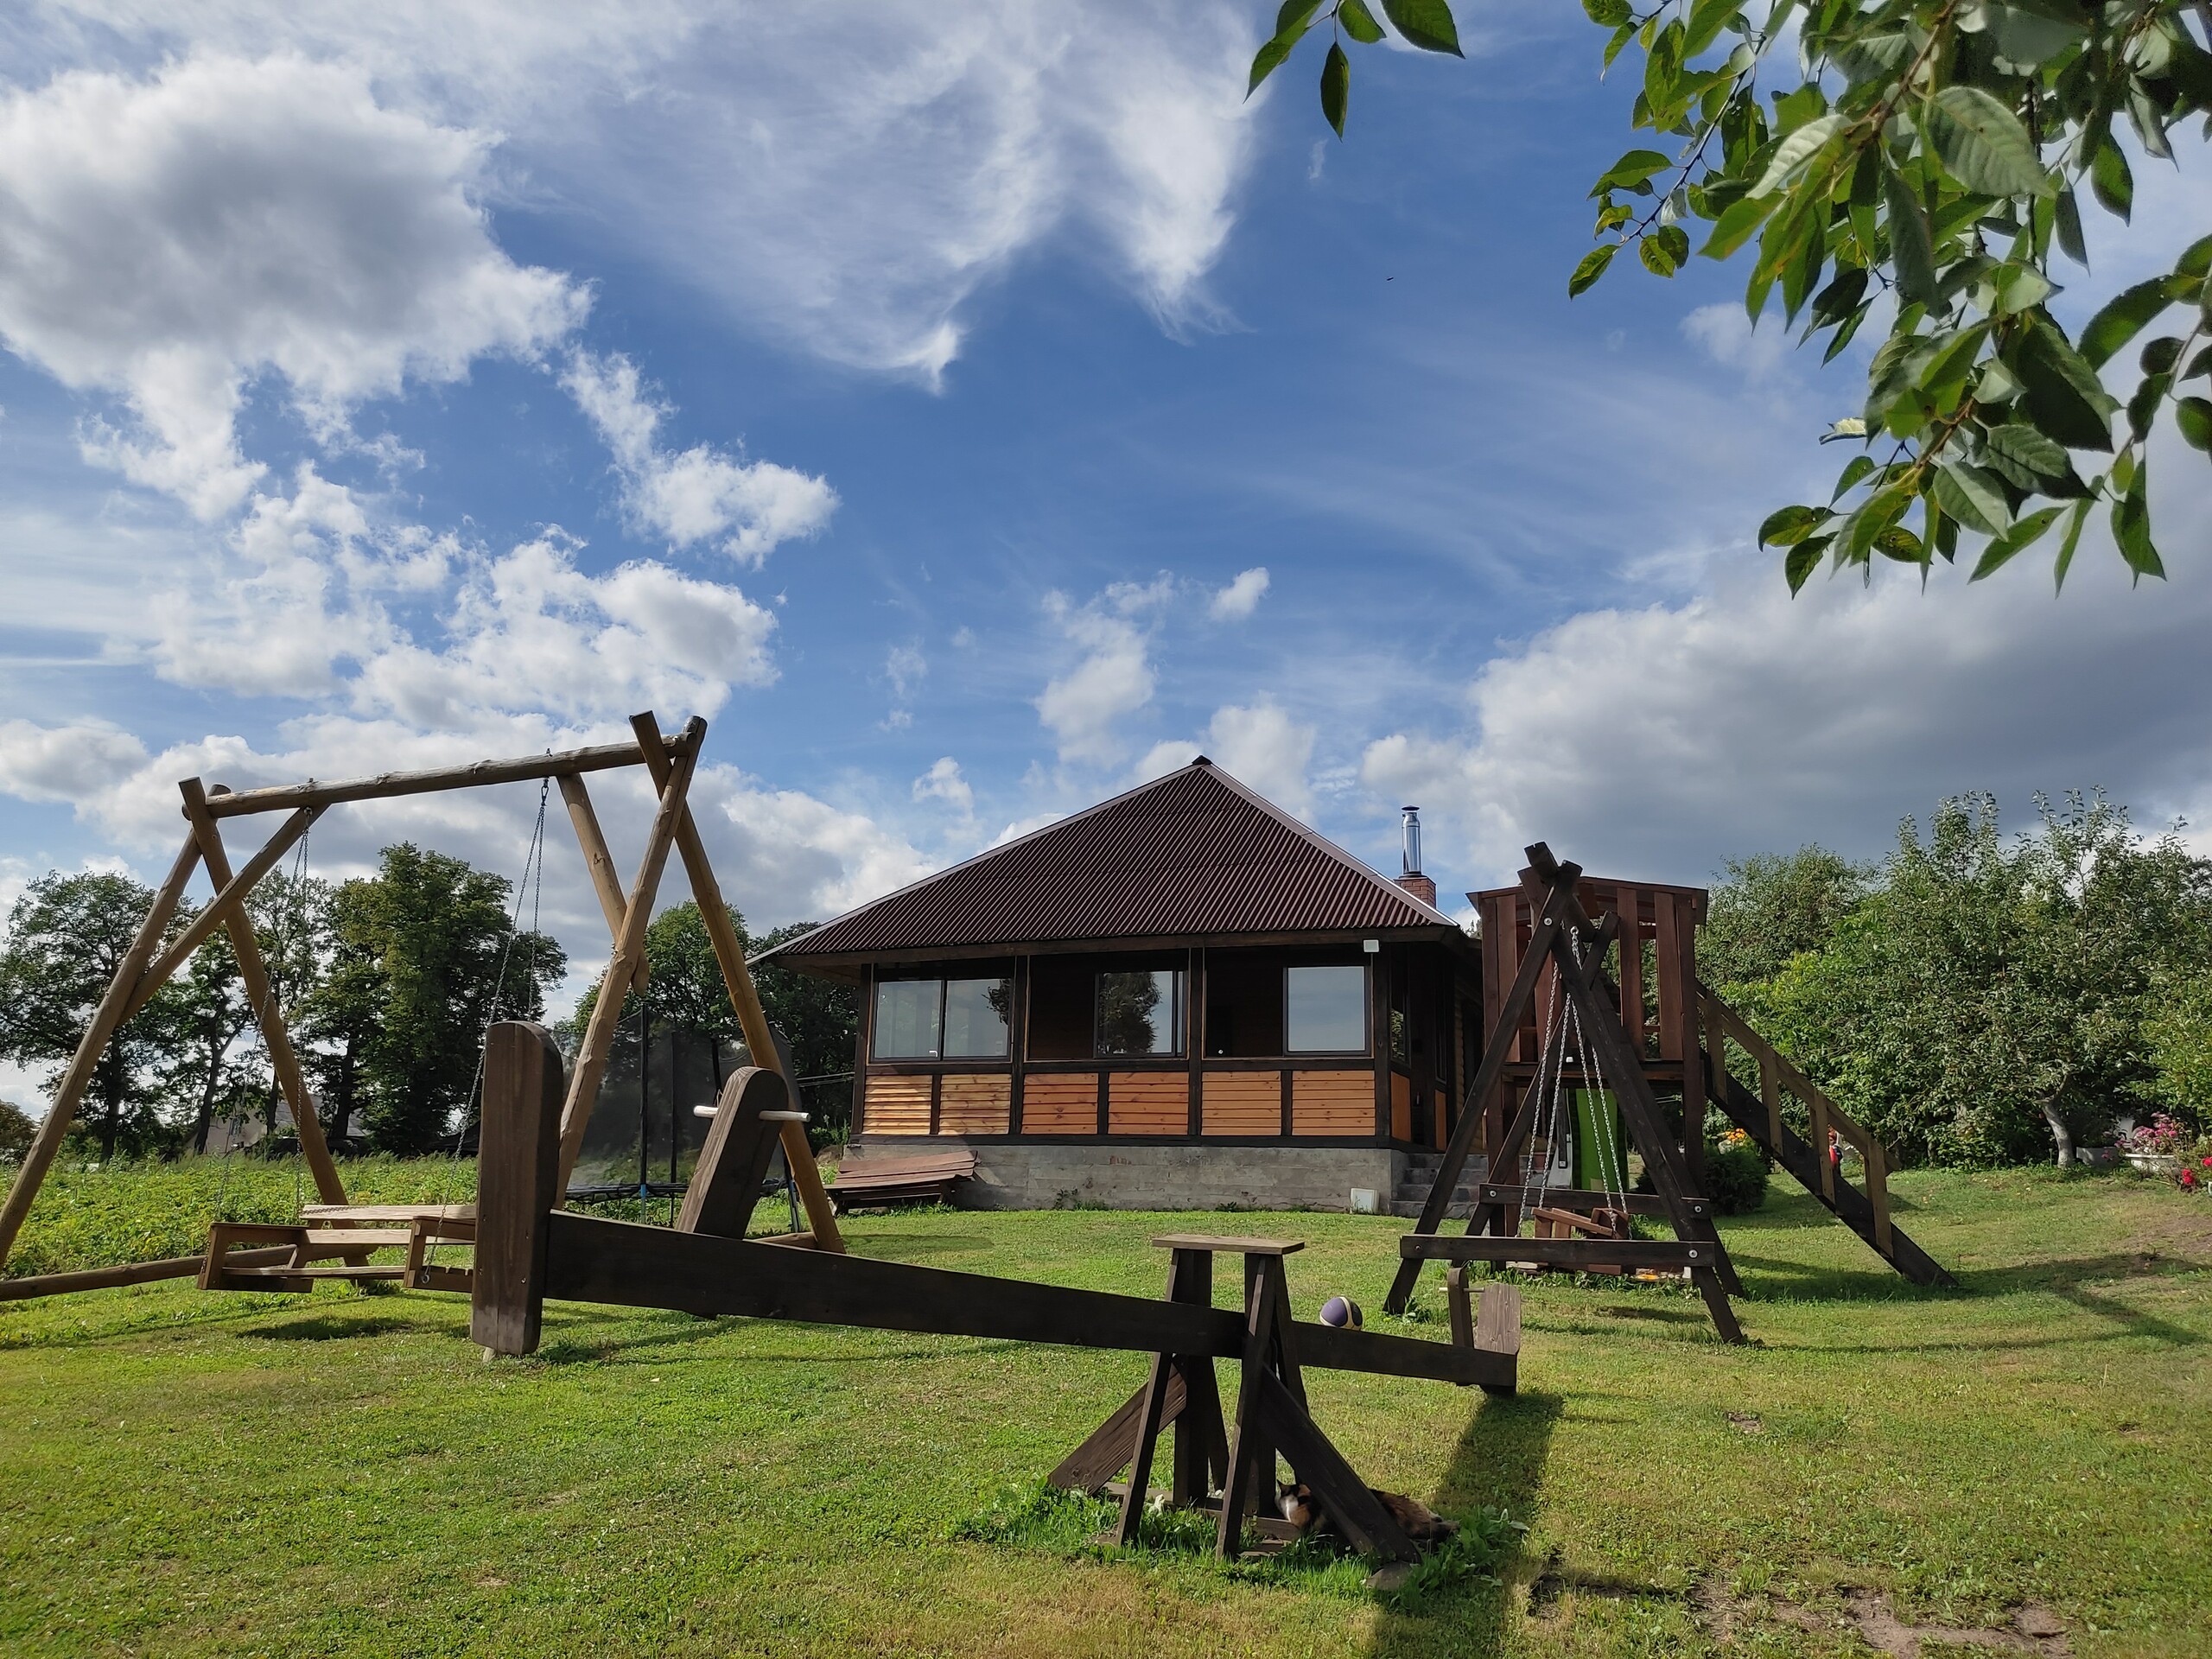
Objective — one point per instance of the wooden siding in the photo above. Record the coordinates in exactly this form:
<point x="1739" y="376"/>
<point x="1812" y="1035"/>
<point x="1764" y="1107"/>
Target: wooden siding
<point x="1402" y="1107"/>
<point x="975" y="1102"/>
<point x="1443" y="1132"/>
<point x="1148" y="1102"/>
<point x="1332" y="1103"/>
<point x="1243" y="1103"/>
<point x="897" y="1106"/>
<point x="1059" y="1102"/>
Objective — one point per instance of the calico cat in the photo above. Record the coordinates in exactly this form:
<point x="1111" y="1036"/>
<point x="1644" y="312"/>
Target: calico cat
<point x="1419" y="1523"/>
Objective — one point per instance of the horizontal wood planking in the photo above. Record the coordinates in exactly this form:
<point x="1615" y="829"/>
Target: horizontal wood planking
<point x="1061" y="1103"/>
<point x="1242" y="1102"/>
<point x="975" y="1102"/>
<point x="1332" y="1103"/>
<point x="1148" y="1102"/>
<point x="897" y="1106"/>
<point x="631" y="1265"/>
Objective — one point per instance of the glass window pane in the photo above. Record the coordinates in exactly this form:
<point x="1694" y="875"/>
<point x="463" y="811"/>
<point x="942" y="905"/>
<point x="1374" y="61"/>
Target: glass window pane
<point x="975" y="1017"/>
<point x="907" y="1019"/>
<point x="1140" y="1013"/>
<point x="1325" y="1009"/>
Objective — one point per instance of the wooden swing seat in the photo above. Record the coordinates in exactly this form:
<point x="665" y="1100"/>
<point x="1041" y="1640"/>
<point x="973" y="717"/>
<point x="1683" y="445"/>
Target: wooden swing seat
<point x="308" y="1244"/>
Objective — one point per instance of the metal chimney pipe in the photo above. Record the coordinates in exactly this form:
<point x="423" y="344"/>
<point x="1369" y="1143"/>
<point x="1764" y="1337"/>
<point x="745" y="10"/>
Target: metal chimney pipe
<point x="1412" y="855"/>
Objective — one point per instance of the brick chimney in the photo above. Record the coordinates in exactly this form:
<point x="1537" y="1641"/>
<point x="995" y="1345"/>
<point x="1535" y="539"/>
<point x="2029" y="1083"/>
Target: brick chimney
<point x="1410" y="877"/>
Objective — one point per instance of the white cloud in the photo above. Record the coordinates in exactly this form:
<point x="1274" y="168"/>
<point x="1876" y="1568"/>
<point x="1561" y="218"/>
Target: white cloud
<point x="1726" y="334"/>
<point x="1663" y="741"/>
<point x="175" y="238"/>
<point x="943" y="782"/>
<point x="1241" y="597"/>
<point x="1081" y="706"/>
<point x="60" y="763"/>
<point x="906" y="667"/>
<point x="843" y="176"/>
<point x="697" y="494"/>
<point x="1260" y="745"/>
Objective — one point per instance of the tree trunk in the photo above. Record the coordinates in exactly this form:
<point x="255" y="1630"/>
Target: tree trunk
<point x="2059" y="1133"/>
<point x="204" y="1120"/>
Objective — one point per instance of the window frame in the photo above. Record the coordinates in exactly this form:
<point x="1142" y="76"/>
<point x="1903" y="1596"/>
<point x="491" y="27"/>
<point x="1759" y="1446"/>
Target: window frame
<point x="1366" y="1048"/>
<point x="938" y="1055"/>
<point x="1179" y="1016"/>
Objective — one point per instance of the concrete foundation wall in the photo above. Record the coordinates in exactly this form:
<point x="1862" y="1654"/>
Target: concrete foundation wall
<point x="1040" y="1176"/>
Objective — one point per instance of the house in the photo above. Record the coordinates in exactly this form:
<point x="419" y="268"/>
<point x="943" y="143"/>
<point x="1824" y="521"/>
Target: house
<point x="1182" y="997"/>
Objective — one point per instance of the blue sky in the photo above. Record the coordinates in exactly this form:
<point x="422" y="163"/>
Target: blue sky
<point x="972" y="412"/>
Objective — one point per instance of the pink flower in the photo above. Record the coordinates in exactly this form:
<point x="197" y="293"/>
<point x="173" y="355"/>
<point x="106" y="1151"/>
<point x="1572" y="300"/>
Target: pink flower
<point x="2189" y="1178"/>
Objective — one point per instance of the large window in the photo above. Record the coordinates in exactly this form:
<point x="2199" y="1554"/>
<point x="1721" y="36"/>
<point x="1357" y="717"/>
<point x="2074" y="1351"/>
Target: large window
<point x="941" y="1018"/>
<point x="1325" y="1010"/>
<point x="1139" y="1013"/>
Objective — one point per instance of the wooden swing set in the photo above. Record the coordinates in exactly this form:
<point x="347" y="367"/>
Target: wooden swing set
<point x="1562" y="997"/>
<point x="528" y="1249"/>
<point x="334" y="1229"/>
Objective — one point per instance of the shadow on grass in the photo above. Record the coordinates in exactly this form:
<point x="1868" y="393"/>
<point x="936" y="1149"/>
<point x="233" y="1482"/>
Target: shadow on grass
<point x="1499" y="1462"/>
<point x="327" y="1327"/>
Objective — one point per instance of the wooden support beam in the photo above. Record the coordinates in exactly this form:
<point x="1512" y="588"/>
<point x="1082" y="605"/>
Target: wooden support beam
<point x="733" y="1165"/>
<point x="598" y="863"/>
<point x="737" y="979"/>
<point x="131" y="1273"/>
<point x="1105" y="1451"/>
<point x="387" y="785"/>
<point x="1577" y="1198"/>
<point x="228" y="906"/>
<point x="253" y="975"/>
<point x="629" y="950"/>
<point x="518" y="1184"/>
<point x="82" y="1065"/>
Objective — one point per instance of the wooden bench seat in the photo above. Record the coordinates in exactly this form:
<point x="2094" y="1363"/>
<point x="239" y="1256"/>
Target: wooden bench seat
<point x="901" y="1178"/>
<point x="349" y="1246"/>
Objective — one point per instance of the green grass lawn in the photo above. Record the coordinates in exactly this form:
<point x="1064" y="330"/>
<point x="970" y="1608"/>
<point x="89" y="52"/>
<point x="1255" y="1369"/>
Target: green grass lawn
<point x="343" y="1474"/>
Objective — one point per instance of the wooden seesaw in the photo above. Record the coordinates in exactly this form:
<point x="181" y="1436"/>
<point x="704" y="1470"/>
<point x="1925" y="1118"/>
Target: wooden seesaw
<point x="528" y="1249"/>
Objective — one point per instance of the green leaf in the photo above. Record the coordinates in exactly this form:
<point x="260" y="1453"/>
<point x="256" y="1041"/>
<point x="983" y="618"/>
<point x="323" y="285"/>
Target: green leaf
<point x="1270" y="58"/>
<point x="1899" y="543"/>
<point x="1590" y="268"/>
<point x="2160" y="355"/>
<point x="1607" y="13"/>
<point x="1874" y="516"/>
<point x="2026" y="454"/>
<point x="1803" y="560"/>
<point x="2069" y="542"/>
<point x="1336" y="85"/>
<point x="2193" y="416"/>
<point x="1621" y="37"/>
<point x="1910" y="244"/>
<point x="1665" y="250"/>
<point x="2201" y="364"/>
<point x="2017" y="288"/>
<point x="1425" y="24"/>
<point x="2029" y="32"/>
<point x="1983" y="144"/>
<point x="1295" y="13"/>
<point x="1797" y="152"/>
<point x="2124" y="317"/>
<point x="1787" y="526"/>
<point x="1359" y="22"/>
<point x="1632" y="169"/>
<point x="1707" y="19"/>
<point x="2024" y="534"/>
<point x="2143" y="407"/>
<point x="2130" y="528"/>
<point x="2196" y="259"/>
<point x="1734" y="226"/>
<point x="2070" y="230"/>
<point x="1973" y="496"/>
<point x="1856" y="469"/>
<point x="2109" y="178"/>
<point x="2062" y="394"/>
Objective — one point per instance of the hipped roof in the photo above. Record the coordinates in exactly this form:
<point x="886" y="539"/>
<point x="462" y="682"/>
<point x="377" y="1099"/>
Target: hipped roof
<point x="1193" y="853"/>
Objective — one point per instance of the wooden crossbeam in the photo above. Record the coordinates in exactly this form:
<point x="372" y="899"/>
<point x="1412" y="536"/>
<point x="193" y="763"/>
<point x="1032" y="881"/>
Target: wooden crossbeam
<point x="1516" y="1195"/>
<point x="476" y="773"/>
<point x="1654" y="1253"/>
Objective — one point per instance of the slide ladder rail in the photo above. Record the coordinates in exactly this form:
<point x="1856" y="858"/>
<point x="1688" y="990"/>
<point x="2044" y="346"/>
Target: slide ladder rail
<point x="1813" y="1162"/>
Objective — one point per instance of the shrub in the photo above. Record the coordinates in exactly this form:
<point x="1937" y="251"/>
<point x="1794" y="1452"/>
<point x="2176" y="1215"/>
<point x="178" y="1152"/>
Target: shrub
<point x="16" y="1131"/>
<point x="1735" y="1174"/>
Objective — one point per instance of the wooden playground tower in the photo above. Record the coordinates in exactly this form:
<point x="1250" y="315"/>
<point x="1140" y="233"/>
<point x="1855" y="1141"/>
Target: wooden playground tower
<point x="333" y="1227"/>
<point x="1545" y="949"/>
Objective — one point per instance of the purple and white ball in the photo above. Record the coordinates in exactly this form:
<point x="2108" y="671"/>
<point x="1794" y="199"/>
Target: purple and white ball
<point x="1341" y="1311"/>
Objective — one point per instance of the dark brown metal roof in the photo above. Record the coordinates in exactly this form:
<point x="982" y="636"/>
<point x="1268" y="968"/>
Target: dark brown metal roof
<point x="1195" y="852"/>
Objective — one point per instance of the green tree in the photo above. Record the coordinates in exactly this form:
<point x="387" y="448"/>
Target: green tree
<point x="66" y="936"/>
<point x="820" y="1018"/>
<point x="16" y="1131"/>
<point x="1990" y="1002"/>
<point x="1923" y="163"/>
<point x="425" y="956"/>
<point x="1767" y="908"/>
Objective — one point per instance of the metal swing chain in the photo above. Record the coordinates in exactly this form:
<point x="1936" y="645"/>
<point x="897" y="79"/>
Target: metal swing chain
<point x="1549" y="1060"/>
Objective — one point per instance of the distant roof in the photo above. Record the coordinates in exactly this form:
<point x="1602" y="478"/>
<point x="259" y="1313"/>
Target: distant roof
<point x="1195" y="852"/>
